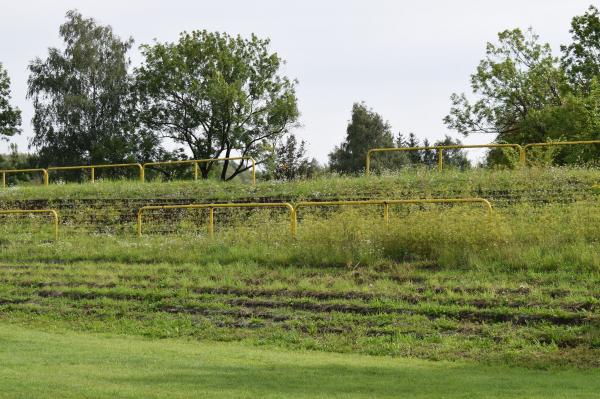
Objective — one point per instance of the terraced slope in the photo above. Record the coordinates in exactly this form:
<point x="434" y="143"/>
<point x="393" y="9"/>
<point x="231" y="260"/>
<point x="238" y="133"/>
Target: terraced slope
<point x="436" y="283"/>
<point x="112" y="206"/>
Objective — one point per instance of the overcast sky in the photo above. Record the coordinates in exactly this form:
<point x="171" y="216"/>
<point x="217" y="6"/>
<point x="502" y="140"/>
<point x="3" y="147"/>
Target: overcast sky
<point x="403" y="58"/>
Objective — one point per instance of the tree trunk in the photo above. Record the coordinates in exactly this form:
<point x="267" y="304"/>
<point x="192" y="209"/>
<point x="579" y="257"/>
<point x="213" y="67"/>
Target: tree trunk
<point x="225" y="164"/>
<point x="204" y="170"/>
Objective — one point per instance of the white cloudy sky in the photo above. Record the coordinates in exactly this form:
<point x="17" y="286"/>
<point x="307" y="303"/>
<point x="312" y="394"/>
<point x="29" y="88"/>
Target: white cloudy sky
<point x="403" y="58"/>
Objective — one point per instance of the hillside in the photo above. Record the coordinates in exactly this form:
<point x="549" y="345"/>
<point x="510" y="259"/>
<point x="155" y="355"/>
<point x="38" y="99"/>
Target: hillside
<point x="111" y="206"/>
<point x="519" y="287"/>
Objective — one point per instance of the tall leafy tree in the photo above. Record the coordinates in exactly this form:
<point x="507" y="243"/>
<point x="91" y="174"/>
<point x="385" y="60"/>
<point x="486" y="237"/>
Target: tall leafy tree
<point x="366" y="130"/>
<point x="517" y="78"/>
<point x="10" y="117"/>
<point x="524" y="95"/>
<point x="217" y="94"/>
<point x="83" y="101"/>
<point x="581" y="58"/>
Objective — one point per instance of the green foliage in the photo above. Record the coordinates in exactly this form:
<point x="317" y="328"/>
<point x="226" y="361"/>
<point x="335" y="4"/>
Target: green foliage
<point x="218" y="95"/>
<point x="517" y="77"/>
<point x="581" y="58"/>
<point x="542" y="156"/>
<point x="412" y="157"/>
<point x="454" y="157"/>
<point x="18" y="160"/>
<point x="366" y="130"/>
<point x="10" y="117"/>
<point x="526" y="94"/>
<point x="13" y="160"/>
<point x="82" y="99"/>
<point x="290" y="161"/>
<point x="391" y="161"/>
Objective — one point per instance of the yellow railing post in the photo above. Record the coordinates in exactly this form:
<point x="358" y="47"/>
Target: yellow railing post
<point x="93" y="175"/>
<point x="440" y="159"/>
<point x="293" y="222"/>
<point x="386" y="212"/>
<point x="195" y="171"/>
<point x="139" y="222"/>
<point x="55" y="214"/>
<point x="3" y="179"/>
<point x="522" y="156"/>
<point x="211" y="222"/>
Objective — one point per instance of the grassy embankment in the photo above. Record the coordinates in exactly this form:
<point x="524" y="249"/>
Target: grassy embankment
<point x="438" y="283"/>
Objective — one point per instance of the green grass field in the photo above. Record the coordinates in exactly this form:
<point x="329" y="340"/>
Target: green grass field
<point x="444" y="301"/>
<point x="71" y="365"/>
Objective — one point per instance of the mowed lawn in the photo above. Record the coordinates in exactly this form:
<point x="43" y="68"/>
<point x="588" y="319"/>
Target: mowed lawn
<point x="38" y="364"/>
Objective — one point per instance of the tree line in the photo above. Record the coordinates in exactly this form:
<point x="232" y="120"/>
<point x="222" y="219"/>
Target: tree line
<point x="218" y="96"/>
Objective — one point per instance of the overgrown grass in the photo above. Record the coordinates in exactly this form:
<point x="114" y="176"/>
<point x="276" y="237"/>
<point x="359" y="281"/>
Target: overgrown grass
<point x="522" y="236"/>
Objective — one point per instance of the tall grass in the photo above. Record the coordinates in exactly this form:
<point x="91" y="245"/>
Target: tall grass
<point x="521" y="236"/>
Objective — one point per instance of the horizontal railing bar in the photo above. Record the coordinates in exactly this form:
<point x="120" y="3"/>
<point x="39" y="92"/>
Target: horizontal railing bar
<point x="103" y="166"/>
<point x="551" y="143"/>
<point x="211" y="207"/>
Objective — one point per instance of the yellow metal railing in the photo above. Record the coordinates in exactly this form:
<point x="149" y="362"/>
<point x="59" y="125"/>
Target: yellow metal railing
<point x="33" y="211"/>
<point x="92" y="169"/>
<point x="5" y="172"/>
<point x="212" y="207"/>
<point x="195" y="162"/>
<point x="294" y="209"/>
<point x="523" y="155"/>
<point x="438" y="149"/>
<point x="387" y="203"/>
<point x="141" y="168"/>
